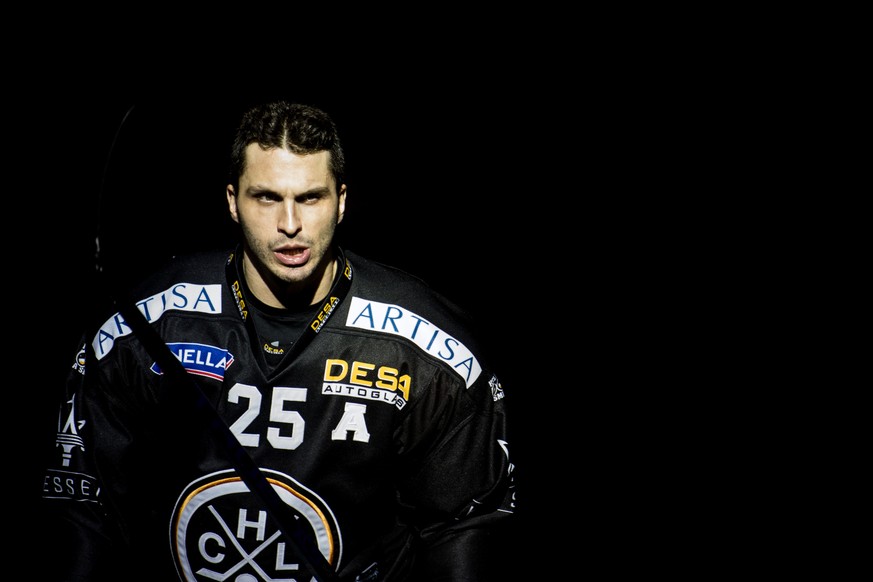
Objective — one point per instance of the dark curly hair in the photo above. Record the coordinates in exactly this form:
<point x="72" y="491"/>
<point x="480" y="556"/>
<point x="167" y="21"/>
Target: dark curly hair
<point x="302" y="129"/>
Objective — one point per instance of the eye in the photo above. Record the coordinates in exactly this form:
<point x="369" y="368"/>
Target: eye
<point x="266" y="197"/>
<point x="310" y="197"/>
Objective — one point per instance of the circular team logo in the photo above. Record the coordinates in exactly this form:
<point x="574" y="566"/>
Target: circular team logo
<point x="221" y="532"/>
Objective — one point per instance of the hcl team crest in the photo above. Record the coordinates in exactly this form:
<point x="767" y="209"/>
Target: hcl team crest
<point x="220" y="531"/>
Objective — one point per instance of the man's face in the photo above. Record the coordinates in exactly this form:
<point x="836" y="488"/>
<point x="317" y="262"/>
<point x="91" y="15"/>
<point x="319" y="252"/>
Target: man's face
<point x="288" y="209"/>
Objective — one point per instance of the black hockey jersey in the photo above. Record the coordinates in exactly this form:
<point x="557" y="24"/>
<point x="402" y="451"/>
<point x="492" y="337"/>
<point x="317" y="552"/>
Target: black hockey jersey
<point x="381" y="426"/>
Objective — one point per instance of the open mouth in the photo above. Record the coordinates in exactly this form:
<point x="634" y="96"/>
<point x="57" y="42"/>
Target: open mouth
<point x="292" y="257"/>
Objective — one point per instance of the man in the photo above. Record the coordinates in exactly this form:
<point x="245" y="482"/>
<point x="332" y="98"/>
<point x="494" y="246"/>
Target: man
<point x="358" y="392"/>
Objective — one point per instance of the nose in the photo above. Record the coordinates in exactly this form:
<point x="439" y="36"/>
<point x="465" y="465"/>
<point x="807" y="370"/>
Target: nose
<point x="289" y="220"/>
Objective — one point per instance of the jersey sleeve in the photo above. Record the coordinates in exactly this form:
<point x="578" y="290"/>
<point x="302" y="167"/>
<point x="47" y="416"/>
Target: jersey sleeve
<point x="73" y="510"/>
<point x="94" y="475"/>
<point x="459" y="491"/>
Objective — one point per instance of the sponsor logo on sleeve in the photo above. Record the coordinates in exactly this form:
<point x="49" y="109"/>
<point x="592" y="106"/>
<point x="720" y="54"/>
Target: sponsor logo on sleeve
<point x="395" y="320"/>
<point x="68" y="437"/>
<point x="79" y="362"/>
<point x="200" y="359"/>
<point x="496" y="388"/>
<point x="179" y="297"/>
<point x="60" y="484"/>
<point x="63" y="482"/>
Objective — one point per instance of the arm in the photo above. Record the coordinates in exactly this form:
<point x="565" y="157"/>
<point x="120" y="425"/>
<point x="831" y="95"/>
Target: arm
<point x="94" y="477"/>
<point x="461" y="497"/>
<point x="80" y="536"/>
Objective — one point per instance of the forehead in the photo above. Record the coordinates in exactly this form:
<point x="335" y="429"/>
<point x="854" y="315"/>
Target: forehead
<point x="279" y="168"/>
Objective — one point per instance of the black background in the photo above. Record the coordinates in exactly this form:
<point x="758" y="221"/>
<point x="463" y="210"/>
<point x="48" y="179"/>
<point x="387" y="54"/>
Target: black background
<point x="588" y="187"/>
<point x="455" y="180"/>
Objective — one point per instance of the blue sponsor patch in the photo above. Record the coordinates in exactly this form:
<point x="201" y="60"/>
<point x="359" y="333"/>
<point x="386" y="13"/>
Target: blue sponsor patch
<point x="200" y="359"/>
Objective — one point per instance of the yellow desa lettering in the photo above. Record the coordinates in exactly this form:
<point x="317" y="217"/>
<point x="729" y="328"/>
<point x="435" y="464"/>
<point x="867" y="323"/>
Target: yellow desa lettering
<point x="405" y="384"/>
<point x="330" y="370"/>
<point x="387" y="378"/>
<point x="361" y="374"/>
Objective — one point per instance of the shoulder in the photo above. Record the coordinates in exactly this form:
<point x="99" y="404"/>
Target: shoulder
<point x="382" y="293"/>
<point x="386" y="303"/>
<point x="203" y="267"/>
<point x="196" y="277"/>
<point x="389" y="284"/>
<point x="202" y="264"/>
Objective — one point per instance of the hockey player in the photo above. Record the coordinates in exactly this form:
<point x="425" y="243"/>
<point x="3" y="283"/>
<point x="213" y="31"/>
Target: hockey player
<point x="358" y="393"/>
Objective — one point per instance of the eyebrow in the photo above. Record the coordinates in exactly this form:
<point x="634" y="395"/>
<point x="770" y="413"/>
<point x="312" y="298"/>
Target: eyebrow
<point x="251" y="190"/>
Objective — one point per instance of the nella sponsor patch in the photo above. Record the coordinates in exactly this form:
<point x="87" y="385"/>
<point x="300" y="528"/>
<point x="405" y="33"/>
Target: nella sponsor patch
<point x="200" y="359"/>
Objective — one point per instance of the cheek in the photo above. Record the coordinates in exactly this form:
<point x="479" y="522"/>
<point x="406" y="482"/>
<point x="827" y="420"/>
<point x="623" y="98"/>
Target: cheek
<point x="253" y="214"/>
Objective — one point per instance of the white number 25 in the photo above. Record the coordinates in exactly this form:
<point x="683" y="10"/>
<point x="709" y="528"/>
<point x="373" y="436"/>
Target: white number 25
<point x="278" y="414"/>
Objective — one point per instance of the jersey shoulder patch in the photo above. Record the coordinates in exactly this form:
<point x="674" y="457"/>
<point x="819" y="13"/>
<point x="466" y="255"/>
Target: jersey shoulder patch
<point x="395" y="320"/>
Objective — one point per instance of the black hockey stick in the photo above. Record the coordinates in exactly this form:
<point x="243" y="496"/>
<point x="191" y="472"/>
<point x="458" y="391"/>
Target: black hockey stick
<point x="295" y="530"/>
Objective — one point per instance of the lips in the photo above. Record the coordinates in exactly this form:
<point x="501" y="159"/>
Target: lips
<point x="292" y="257"/>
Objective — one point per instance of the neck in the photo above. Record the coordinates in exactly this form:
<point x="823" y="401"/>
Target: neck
<point x="284" y="295"/>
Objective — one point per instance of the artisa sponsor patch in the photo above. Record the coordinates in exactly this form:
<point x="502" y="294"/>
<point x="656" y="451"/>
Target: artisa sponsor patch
<point x="395" y="320"/>
<point x="179" y="297"/>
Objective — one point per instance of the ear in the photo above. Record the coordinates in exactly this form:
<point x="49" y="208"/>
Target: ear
<point x="341" y="210"/>
<point x="231" y="203"/>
